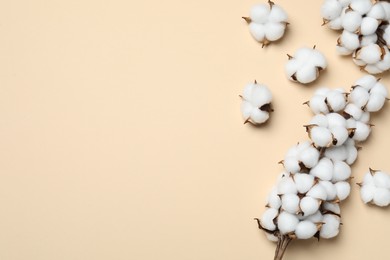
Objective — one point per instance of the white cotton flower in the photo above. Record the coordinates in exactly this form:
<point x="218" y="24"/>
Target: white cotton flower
<point x="335" y="119"/>
<point x="361" y="6"/>
<point x="315" y="218"/>
<point x="369" y="26"/>
<point x="267" y="22"/>
<point x="323" y="170"/>
<point x="377" y="11"/>
<point x="348" y="42"/>
<point x="319" y="120"/>
<point x="309" y="205"/>
<point x="361" y="131"/>
<point x="317" y="192"/>
<point x="331" y="191"/>
<point x="341" y="171"/>
<point x="340" y="135"/>
<point x="321" y="136"/>
<point x="375" y="188"/>
<point x="332" y="207"/>
<point x="354" y="111"/>
<point x="273" y="199"/>
<point x="343" y="190"/>
<point x="267" y="219"/>
<point x="372" y="58"/>
<point x="326" y="100"/>
<point x="367" y="82"/>
<point x="332" y="12"/>
<point x="303" y="182"/>
<point x="359" y="96"/>
<point x="286" y="185"/>
<point x="309" y="157"/>
<point x="351" y="21"/>
<point x="375" y="102"/>
<point x="256" y="103"/>
<point x="301" y="154"/>
<point x="287" y="222"/>
<point x="331" y="226"/>
<point x="305" y="66"/>
<point x="290" y="203"/>
<point x="271" y="237"/>
<point x="305" y="229"/>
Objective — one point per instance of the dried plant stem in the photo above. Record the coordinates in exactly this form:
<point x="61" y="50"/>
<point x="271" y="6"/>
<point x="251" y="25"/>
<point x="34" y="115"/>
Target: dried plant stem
<point x="283" y="242"/>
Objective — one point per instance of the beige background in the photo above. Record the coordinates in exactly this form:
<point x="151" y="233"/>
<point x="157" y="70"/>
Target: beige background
<point x="121" y="136"/>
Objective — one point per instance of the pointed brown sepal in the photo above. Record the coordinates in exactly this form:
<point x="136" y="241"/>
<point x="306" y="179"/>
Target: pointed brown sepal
<point x="360" y="184"/>
<point x="247" y="19"/>
<point x="317" y="235"/>
<point x="324" y="22"/>
<point x="255" y="81"/>
<point x="271" y="4"/>
<point x="306" y="103"/>
<point x="289" y="56"/>
<point x="372" y="171"/>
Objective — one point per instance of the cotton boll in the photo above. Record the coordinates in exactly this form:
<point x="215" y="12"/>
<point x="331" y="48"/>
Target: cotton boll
<point x="273" y="199"/>
<point x="359" y="96"/>
<point x="336" y="24"/>
<point x="362" y="131"/>
<point x="256" y="99"/>
<point x="318" y="105"/>
<point x="340" y="135"/>
<point x="367" y="193"/>
<point x="305" y="230"/>
<point x="259" y="13"/>
<point x="287" y="185"/>
<point x="317" y="192"/>
<point x="331" y="9"/>
<point x="257" y="31"/>
<point x="290" y="203"/>
<point x="271" y="237"/>
<point x="330" y="189"/>
<point x="377" y="12"/>
<point x="343" y="190"/>
<point x="261" y="95"/>
<point x="306" y="74"/>
<point x="370" y="54"/>
<point x="274" y="31"/>
<point x="321" y="136"/>
<point x="291" y="164"/>
<point x="361" y="6"/>
<point x="368" y="39"/>
<point x="349" y="40"/>
<point x="287" y="222"/>
<point x="375" y="103"/>
<point x="341" y="171"/>
<point x="369" y="26"/>
<point x="319" y="120"/>
<point x="323" y="170"/>
<point x="335" y="119"/>
<point x="351" y="21"/>
<point x="381" y="197"/>
<point x="267" y="219"/>
<point x="331" y="226"/>
<point x="315" y="218"/>
<point x="368" y="179"/>
<point x="309" y="205"/>
<point x="381" y="180"/>
<point x="352" y="155"/>
<point x="337" y="153"/>
<point x="354" y="111"/>
<point x="332" y="207"/>
<point x="277" y="15"/>
<point x="372" y="69"/>
<point x="310" y="157"/>
<point x="258" y="116"/>
<point x="367" y="82"/>
<point x="303" y="182"/>
<point x="336" y="100"/>
<point x="379" y="89"/>
<point x="343" y="50"/>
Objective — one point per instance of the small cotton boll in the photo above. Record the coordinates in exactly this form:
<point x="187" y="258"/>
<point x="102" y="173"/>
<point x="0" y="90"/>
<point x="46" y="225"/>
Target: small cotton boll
<point x="375" y="103"/>
<point x="331" y="226"/>
<point x="309" y="205"/>
<point x="340" y="135"/>
<point x="247" y="92"/>
<point x="336" y="24"/>
<point x="361" y="6"/>
<point x="286" y="185"/>
<point x="305" y="230"/>
<point x="330" y="190"/>
<point x="273" y="199"/>
<point x="367" y="193"/>
<point x="359" y="96"/>
<point x="287" y="222"/>
<point x="351" y="21"/>
<point x="352" y="155"/>
<point x="379" y="89"/>
<point x="381" y="180"/>
<point x="384" y="64"/>
<point x="335" y="119"/>
<point x="274" y="31"/>
<point x="302" y="146"/>
<point x="317" y="105"/>
<point x="320" y="120"/>
<point x="381" y="197"/>
<point x="354" y="111"/>
<point x="257" y="31"/>
<point x="310" y="157"/>
<point x="291" y="164"/>
<point x="267" y="219"/>
<point x="343" y="190"/>
<point x="341" y="171"/>
<point x="362" y="131"/>
<point x="336" y="100"/>
<point x="337" y="153"/>
<point x="246" y="109"/>
<point x="318" y="59"/>
<point x="323" y="170"/>
<point x="343" y="50"/>
<point x="315" y="218"/>
<point x="331" y="9"/>
<point x="277" y="15"/>
<point x="349" y="40"/>
<point x="306" y="74"/>
<point x="372" y="69"/>
<point x="368" y="179"/>
<point x="368" y="39"/>
<point x="370" y="54"/>
<point x="369" y="26"/>
<point x="367" y="82"/>
<point x="303" y="182"/>
<point x="260" y="95"/>
<point x="258" y="116"/>
<point x="365" y="117"/>
<point x="377" y="12"/>
<point x="271" y="237"/>
<point x="290" y="203"/>
<point x="259" y="13"/>
<point x="317" y="192"/>
<point x="386" y="8"/>
<point x="332" y="207"/>
<point x="321" y="136"/>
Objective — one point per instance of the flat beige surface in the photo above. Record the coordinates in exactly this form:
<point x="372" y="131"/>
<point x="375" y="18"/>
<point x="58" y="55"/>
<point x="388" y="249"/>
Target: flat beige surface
<point x="121" y="136"/>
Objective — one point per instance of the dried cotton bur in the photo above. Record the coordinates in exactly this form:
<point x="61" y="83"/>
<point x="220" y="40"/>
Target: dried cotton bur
<point x="375" y="188"/>
<point x="365" y="32"/>
<point x="305" y="66"/>
<point x="256" y="103"/>
<point x="267" y="22"/>
<point x="305" y="202"/>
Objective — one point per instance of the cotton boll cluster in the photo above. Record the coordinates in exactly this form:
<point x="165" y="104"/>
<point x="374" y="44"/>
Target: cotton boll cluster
<point x="305" y="66"/>
<point x="305" y="202"/>
<point x="365" y="33"/>
<point x="267" y="22"/>
<point x="256" y="103"/>
<point x="375" y="188"/>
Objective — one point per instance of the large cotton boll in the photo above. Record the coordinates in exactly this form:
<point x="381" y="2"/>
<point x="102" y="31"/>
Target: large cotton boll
<point x="309" y="205"/>
<point x="258" y="31"/>
<point x="261" y="95"/>
<point x="379" y="89"/>
<point x="267" y="219"/>
<point x="381" y="180"/>
<point x="274" y="31"/>
<point x="353" y="110"/>
<point x="321" y="136"/>
<point x="323" y="170"/>
<point x="290" y="203"/>
<point x="310" y="157"/>
<point x="343" y="190"/>
<point x="330" y="190"/>
<point x="341" y="171"/>
<point x="381" y="197"/>
<point x="369" y="26"/>
<point x="361" y="6"/>
<point x="331" y="9"/>
<point x="287" y="222"/>
<point x="277" y="15"/>
<point x="286" y="185"/>
<point x="362" y="131"/>
<point x="340" y="135"/>
<point x="303" y="182"/>
<point x="318" y="105"/>
<point x="291" y="164"/>
<point x="359" y="96"/>
<point x="370" y="54"/>
<point x="331" y="226"/>
<point x="351" y="21"/>
<point x="317" y="192"/>
<point x="305" y="230"/>
<point x="320" y="120"/>
<point x="350" y="40"/>
<point x="367" y="193"/>
<point x="336" y="100"/>
<point x="273" y="199"/>
<point x="375" y="103"/>
<point x="306" y="74"/>
<point x="259" y="13"/>
<point x="367" y="82"/>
